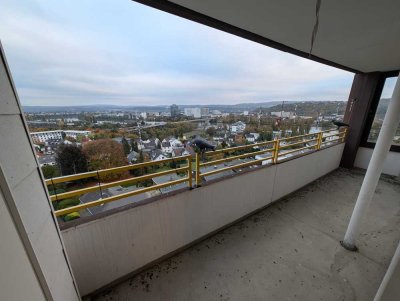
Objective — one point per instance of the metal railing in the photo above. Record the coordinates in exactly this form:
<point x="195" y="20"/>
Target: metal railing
<point x="277" y="148"/>
<point x="101" y="186"/>
<point x="276" y="151"/>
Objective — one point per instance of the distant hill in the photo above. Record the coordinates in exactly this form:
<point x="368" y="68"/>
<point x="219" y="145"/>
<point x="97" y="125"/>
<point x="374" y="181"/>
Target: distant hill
<point x="91" y="108"/>
<point x="310" y="108"/>
<point x="161" y="108"/>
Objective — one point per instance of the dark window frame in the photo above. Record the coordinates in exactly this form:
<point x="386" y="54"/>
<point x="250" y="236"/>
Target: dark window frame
<point x="372" y="112"/>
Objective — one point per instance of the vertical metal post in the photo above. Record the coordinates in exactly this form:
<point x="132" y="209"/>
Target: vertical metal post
<point x="198" y="178"/>
<point x="319" y="141"/>
<point x="189" y="171"/>
<point x="382" y="147"/>
<point x="344" y="135"/>
<point x="276" y="150"/>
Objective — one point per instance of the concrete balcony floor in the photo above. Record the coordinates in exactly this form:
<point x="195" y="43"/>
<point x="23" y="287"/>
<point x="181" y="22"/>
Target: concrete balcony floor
<point x="288" y="251"/>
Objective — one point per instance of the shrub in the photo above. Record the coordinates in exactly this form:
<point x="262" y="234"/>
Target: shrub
<point x="71" y="216"/>
<point x="66" y="203"/>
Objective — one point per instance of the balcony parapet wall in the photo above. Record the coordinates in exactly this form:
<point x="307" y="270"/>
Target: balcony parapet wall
<point x="111" y="247"/>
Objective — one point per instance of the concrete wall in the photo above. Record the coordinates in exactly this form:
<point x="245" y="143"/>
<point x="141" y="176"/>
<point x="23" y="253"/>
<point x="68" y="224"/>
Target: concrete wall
<point x="17" y="276"/>
<point x="105" y="249"/>
<point x="21" y="186"/>
<point x="392" y="162"/>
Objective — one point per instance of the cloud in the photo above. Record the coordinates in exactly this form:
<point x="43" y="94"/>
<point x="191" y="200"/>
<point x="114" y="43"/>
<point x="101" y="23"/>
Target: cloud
<point x="123" y="57"/>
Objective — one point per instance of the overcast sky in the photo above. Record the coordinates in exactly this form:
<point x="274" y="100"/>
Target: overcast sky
<point x="67" y="52"/>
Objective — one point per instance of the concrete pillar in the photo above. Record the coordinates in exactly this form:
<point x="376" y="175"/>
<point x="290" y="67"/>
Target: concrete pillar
<point x="33" y="261"/>
<point x="361" y="106"/>
<point x="382" y="147"/>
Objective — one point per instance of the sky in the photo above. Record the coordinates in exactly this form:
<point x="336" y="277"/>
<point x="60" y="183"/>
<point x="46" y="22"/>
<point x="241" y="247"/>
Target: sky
<point x="120" y="52"/>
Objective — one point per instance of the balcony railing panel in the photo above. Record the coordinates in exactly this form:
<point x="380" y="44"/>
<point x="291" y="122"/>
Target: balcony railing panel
<point x="275" y="151"/>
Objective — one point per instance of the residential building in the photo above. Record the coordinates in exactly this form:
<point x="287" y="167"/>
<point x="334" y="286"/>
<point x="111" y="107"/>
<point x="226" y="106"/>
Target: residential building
<point x="238" y="127"/>
<point x="41" y="137"/>
<point x="175" y="142"/>
<point x="152" y="143"/>
<point x="166" y="147"/>
<point x="250" y="138"/>
<point x="157" y="155"/>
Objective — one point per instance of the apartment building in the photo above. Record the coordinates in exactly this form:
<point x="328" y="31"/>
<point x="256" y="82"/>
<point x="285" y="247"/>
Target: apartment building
<point x="41" y="137"/>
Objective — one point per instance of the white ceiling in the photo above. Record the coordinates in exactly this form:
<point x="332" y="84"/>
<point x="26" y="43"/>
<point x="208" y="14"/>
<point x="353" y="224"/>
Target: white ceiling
<point x="360" y="34"/>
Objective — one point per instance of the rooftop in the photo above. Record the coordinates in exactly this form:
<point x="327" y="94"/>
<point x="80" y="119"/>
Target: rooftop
<point x="288" y="251"/>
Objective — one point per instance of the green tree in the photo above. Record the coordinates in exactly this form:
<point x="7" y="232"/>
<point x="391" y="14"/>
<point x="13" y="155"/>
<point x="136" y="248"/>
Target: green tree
<point x="145" y="135"/>
<point x="139" y="171"/>
<point x="125" y="145"/>
<point x="50" y="171"/>
<point x="71" y="159"/>
<point x="134" y="146"/>
<point x="265" y="136"/>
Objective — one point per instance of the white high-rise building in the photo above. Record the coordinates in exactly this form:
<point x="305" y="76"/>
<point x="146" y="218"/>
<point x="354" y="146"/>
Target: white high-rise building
<point x="195" y="112"/>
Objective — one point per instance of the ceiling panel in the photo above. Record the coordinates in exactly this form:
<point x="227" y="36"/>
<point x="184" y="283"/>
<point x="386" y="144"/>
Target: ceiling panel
<point x="363" y="35"/>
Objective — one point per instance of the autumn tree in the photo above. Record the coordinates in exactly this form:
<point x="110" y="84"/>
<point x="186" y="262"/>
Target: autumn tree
<point x="211" y="131"/>
<point x="71" y="159"/>
<point x="104" y="154"/>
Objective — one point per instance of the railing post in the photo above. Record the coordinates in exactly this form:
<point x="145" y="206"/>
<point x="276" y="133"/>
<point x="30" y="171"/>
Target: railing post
<point x="276" y="151"/>
<point x="190" y="171"/>
<point x="198" y="178"/>
<point x="319" y="141"/>
<point x="344" y="135"/>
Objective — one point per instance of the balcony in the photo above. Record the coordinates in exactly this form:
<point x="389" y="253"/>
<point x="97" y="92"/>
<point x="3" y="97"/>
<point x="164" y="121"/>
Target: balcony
<point x="106" y="247"/>
<point x="287" y="251"/>
<point x="268" y="228"/>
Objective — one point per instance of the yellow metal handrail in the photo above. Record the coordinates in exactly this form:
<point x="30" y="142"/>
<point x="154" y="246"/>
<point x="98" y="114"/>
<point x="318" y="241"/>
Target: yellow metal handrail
<point x="117" y="197"/>
<point x="315" y="141"/>
<point x="99" y="187"/>
<point x="229" y="150"/>
<point x="69" y="194"/>
<point x="236" y="157"/>
<point x="102" y="172"/>
<point x="278" y="151"/>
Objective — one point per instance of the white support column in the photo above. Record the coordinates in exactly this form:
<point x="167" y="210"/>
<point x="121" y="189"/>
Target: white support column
<point x="382" y="147"/>
<point x="389" y="288"/>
